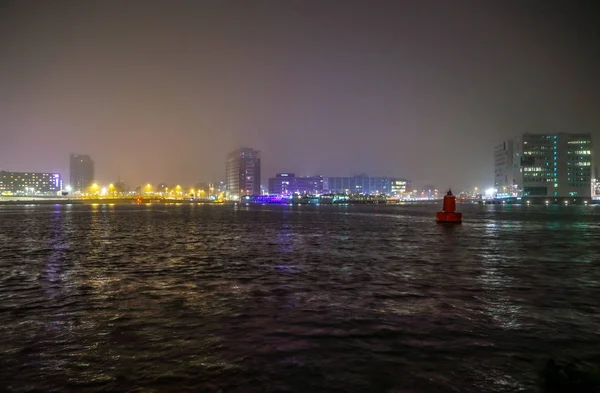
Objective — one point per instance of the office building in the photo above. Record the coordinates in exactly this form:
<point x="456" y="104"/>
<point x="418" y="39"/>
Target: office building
<point x="243" y="173"/>
<point x="289" y="184"/>
<point x="544" y="166"/>
<point x="398" y="187"/>
<point x="506" y="165"/>
<point x="81" y="172"/>
<point x="363" y="184"/>
<point x="29" y="183"/>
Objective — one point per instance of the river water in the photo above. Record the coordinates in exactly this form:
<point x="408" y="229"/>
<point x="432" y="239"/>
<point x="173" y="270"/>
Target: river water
<point x="185" y="298"/>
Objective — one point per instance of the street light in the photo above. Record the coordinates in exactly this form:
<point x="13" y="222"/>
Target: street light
<point x="95" y="188"/>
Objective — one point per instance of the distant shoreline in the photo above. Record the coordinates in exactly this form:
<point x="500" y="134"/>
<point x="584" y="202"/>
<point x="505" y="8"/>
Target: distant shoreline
<point x="108" y="201"/>
<point x="104" y="201"/>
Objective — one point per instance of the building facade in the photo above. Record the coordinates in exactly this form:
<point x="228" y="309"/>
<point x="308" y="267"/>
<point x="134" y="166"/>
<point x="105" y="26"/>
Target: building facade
<point x="289" y="184"/>
<point x="363" y="184"/>
<point x="545" y="166"/>
<point x="506" y="164"/>
<point x="29" y="183"/>
<point x="81" y="172"/>
<point x="243" y="173"/>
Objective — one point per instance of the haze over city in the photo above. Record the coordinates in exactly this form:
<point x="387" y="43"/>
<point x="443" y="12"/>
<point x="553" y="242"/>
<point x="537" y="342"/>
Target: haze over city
<point x="162" y="91"/>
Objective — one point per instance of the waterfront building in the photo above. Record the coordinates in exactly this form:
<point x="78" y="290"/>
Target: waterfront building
<point x="544" y="166"/>
<point x="399" y="187"/>
<point x="243" y="173"/>
<point x="429" y="192"/>
<point x="506" y="165"/>
<point x="363" y="184"/>
<point x="29" y="183"/>
<point x="81" y="172"/>
<point x="289" y="183"/>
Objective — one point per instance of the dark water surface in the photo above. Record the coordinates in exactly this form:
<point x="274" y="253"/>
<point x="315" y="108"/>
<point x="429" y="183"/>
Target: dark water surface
<point x="294" y="298"/>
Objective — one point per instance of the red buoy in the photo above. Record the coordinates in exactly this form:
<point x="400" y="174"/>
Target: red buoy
<point x="449" y="213"/>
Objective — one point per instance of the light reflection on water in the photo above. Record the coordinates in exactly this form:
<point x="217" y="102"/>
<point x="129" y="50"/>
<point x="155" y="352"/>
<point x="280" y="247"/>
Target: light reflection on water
<point x="293" y="298"/>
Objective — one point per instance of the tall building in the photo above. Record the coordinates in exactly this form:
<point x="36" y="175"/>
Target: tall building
<point x="545" y="166"/>
<point x="243" y="173"/>
<point x="28" y="183"/>
<point x="81" y="171"/>
<point x="506" y="164"/>
<point x="289" y="183"/>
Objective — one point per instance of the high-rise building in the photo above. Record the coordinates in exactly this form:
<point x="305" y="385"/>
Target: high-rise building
<point x="506" y="164"/>
<point x="289" y="183"/>
<point x="243" y="173"/>
<point x="545" y="166"/>
<point x="28" y="183"/>
<point x="81" y="171"/>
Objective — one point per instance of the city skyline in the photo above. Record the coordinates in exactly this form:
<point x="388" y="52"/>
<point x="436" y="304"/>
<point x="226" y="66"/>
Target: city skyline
<point x="243" y="171"/>
<point x="155" y="91"/>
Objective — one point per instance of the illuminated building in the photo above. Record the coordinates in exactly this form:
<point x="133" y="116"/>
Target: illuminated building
<point x="398" y="187"/>
<point x="243" y="173"/>
<point x="363" y="184"/>
<point x="289" y="183"/>
<point x="81" y="172"/>
<point x="544" y="166"/>
<point x="28" y="183"/>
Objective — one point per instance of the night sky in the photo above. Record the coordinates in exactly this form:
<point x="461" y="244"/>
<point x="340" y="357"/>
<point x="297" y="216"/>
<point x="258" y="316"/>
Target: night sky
<point x="162" y="91"/>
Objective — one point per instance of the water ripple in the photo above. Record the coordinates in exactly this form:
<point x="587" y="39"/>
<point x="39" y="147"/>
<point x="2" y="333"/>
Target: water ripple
<point x="293" y="298"/>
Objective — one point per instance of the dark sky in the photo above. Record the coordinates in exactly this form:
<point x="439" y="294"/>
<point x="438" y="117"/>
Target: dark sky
<point x="163" y="90"/>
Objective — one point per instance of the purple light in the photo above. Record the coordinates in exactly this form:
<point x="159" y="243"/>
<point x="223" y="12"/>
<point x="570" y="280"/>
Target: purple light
<point x="267" y="199"/>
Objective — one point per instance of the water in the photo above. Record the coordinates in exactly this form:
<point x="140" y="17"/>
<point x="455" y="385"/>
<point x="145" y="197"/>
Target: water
<point x="294" y="298"/>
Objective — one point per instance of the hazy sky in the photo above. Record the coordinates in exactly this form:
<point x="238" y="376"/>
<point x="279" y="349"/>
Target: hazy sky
<point x="162" y="90"/>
